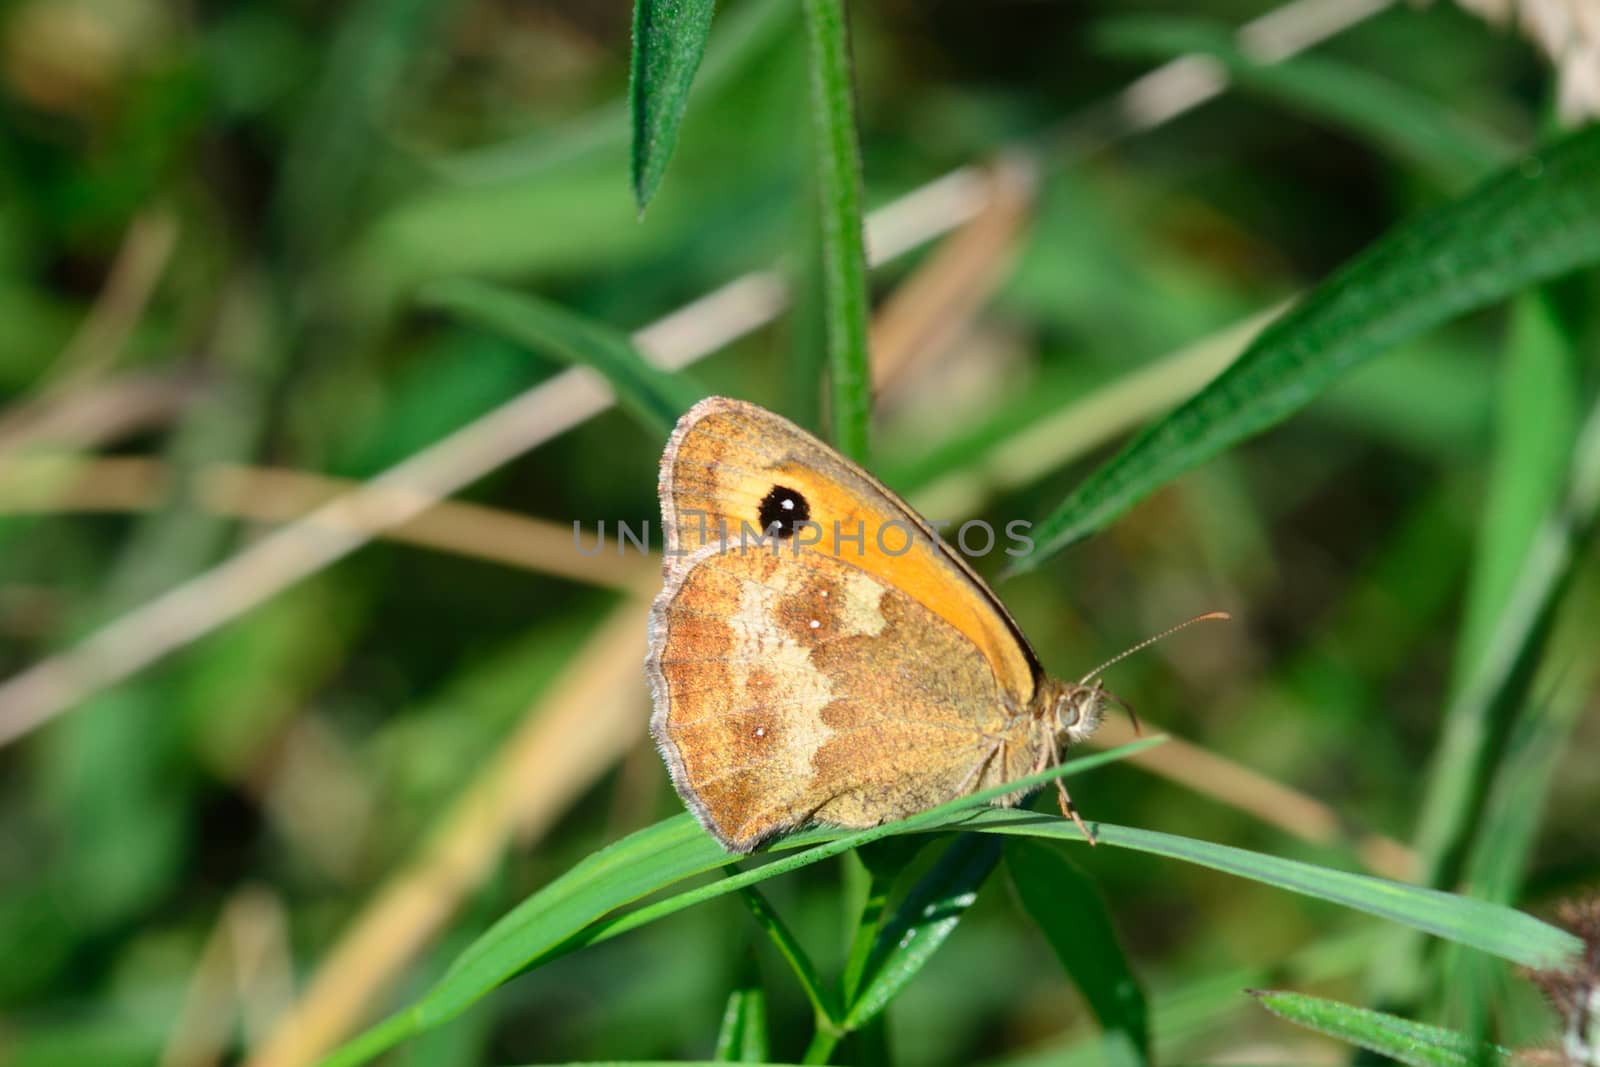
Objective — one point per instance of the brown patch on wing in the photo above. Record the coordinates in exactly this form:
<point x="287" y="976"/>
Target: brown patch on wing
<point x="791" y="689"/>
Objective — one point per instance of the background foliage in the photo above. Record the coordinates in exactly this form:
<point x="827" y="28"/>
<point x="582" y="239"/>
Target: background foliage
<point x="243" y="243"/>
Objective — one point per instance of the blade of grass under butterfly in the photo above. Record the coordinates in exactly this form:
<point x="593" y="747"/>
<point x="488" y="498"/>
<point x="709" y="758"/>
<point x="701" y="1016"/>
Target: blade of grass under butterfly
<point x="1417" y="1044"/>
<point x="1494" y="928"/>
<point x="794" y="954"/>
<point x="844" y="259"/>
<point x="655" y="396"/>
<point x="1067" y="907"/>
<point x="922" y="923"/>
<point x="571" y="912"/>
<point x="669" y="37"/>
<point x="1535" y="220"/>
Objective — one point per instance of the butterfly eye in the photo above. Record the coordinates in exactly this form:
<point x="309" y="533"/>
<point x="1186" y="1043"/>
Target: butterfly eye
<point x="783" y="510"/>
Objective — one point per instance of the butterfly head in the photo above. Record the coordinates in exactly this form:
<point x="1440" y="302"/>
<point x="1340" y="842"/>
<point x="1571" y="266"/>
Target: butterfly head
<point x="1073" y="710"/>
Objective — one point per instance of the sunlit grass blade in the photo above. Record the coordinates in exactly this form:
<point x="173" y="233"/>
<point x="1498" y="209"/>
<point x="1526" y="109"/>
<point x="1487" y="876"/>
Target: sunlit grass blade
<point x="669" y="37"/>
<point x="656" y="397"/>
<point x="923" y="922"/>
<point x="1417" y="1044"/>
<point x="844" y="259"/>
<point x="1533" y="221"/>
<point x="1066" y="905"/>
<point x="1390" y="115"/>
<point x="566" y="914"/>
<point x="1503" y="931"/>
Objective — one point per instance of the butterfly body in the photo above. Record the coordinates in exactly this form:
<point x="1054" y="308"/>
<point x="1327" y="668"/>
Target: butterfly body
<point x="817" y="654"/>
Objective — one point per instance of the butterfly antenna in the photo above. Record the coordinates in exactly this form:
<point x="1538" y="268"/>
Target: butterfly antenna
<point x="1147" y="642"/>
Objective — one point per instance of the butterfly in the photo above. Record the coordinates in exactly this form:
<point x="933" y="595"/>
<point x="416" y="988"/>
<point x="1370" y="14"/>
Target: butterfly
<point x="818" y="654"/>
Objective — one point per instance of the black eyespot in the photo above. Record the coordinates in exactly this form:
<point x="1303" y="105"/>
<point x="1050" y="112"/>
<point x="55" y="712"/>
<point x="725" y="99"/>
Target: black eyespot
<point x="783" y="510"/>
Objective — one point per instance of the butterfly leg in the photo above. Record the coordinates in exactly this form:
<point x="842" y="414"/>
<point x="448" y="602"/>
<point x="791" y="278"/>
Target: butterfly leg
<point x="1068" y="808"/>
<point x="974" y="778"/>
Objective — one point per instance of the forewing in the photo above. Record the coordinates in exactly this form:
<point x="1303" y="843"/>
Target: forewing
<point x="724" y="458"/>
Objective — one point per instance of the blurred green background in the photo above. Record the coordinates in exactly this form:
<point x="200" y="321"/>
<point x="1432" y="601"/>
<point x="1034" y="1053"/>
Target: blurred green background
<point x="215" y="221"/>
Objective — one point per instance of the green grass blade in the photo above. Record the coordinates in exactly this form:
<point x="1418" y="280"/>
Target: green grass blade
<point x="669" y="37"/>
<point x="654" y="396"/>
<point x="1502" y="931"/>
<point x="1536" y="420"/>
<point x="1417" y="1044"/>
<point x="882" y="862"/>
<point x="1536" y="220"/>
<point x="789" y="947"/>
<point x="1461" y="760"/>
<point x="923" y="922"/>
<point x="843" y="240"/>
<point x="567" y="913"/>
<point x="1384" y="112"/>
<point x="829" y="843"/>
<point x="742" y="1038"/>
<point x="1067" y="907"/>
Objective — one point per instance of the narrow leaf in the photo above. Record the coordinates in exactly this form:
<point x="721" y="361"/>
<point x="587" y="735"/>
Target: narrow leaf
<point x="789" y="947"/>
<point x="1461" y="767"/>
<point x="1066" y="905"/>
<point x="742" y="1038"/>
<point x="669" y="37"/>
<point x="1537" y="416"/>
<point x="923" y="922"/>
<point x="655" y="396"/>
<point x="567" y="913"/>
<point x="1494" y="928"/>
<point x="1417" y="1044"/>
<point x="1535" y="220"/>
<point x="844" y="256"/>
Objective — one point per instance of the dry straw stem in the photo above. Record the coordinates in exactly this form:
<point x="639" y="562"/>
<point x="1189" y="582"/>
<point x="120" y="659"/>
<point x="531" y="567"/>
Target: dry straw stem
<point x="243" y="971"/>
<point x="90" y="414"/>
<point x="264" y="494"/>
<point x="223" y="593"/>
<point x="932" y="307"/>
<point x="141" y="261"/>
<point x="594" y="714"/>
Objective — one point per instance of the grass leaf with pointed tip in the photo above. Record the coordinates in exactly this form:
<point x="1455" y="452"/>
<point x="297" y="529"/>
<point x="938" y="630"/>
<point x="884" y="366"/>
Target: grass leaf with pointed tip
<point x="669" y="37"/>
<point x="1417" y="1044"/>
